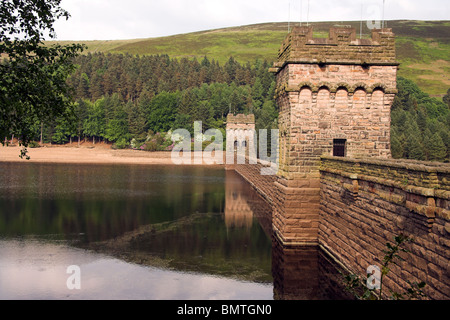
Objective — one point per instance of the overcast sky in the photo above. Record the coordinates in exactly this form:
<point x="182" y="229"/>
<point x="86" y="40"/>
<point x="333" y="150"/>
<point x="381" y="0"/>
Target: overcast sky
<point x="132" y="19"/>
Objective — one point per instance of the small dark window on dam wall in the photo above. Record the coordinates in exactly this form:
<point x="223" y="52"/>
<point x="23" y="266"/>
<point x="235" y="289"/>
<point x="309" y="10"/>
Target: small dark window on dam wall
<point x="339" y="146"/>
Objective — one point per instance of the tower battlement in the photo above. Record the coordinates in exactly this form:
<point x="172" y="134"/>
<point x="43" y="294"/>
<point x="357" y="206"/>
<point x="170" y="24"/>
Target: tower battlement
<point x="341" y="47"/>
<point x="241" y="121"/>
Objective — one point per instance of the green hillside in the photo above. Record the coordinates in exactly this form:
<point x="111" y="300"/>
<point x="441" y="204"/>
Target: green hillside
<point x="423" y="47"/>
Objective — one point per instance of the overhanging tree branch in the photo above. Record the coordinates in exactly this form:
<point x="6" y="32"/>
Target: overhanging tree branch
<point x="33" y="86"/>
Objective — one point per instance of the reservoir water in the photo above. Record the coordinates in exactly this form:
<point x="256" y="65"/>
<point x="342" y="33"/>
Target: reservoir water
<point x="145" y="232"/>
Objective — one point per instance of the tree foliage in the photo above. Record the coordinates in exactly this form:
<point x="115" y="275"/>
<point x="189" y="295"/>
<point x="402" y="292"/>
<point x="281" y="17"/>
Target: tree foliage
<point x="124" y="97"/>
<point x="33" y="87"/>
<point x="420" y="125"/>
<point x="446" y="98"/>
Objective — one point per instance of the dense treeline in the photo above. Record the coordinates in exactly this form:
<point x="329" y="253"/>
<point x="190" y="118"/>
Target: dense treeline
<point x="420" y="124"/>
<point x="123" y="97"/>
<point x="102" y="74"/>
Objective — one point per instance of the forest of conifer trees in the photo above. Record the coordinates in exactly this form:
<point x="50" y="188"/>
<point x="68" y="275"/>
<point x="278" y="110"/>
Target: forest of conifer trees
<point x="121" y="98"/>
<point x="420" y="124"/>
<point x="126" y="100"/>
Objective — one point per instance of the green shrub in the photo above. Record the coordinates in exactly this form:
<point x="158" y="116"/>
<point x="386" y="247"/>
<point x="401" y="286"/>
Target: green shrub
<point x="34" y="144"/>
<point x="121" y="144"/>
<point x="151" y="146"/>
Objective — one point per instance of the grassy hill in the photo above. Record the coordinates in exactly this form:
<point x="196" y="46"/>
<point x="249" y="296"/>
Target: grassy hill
<point x="423" y="47"/>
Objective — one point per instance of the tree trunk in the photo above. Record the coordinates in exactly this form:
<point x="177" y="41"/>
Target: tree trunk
<point x="42" y="129"/>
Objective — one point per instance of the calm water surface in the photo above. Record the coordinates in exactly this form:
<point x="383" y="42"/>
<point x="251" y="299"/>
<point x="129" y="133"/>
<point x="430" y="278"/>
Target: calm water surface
<point x="145" y="232"/>
<point x="137" y="232"/>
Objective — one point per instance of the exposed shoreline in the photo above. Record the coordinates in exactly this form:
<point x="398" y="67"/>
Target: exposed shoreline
<point x="99" y="154"/>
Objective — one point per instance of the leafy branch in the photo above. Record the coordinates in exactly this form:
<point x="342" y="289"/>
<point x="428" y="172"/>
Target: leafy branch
<point x="33" y="75"/>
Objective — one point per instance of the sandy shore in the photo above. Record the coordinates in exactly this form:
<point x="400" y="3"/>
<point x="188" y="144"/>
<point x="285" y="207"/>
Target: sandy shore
<point x="98" y="155"/>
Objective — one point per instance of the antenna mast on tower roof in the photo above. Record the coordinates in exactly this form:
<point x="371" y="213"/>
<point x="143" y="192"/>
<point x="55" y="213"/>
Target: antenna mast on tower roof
<point x="361" y="24"/>
<point x="301" y="12"/>
<point x="307" y="16"/>
<point x="289" y="18"/>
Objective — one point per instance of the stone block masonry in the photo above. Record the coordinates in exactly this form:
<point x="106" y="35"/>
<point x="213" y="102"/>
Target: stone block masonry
<point x="361" y="205"/>
<point x="365" y="203"/>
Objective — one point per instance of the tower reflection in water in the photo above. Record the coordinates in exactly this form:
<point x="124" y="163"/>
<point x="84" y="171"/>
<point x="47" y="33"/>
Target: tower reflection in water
<point x="299" y="273"/>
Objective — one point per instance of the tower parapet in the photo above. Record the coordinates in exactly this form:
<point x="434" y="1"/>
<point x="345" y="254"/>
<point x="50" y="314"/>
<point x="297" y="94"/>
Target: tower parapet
<point x="341" y="47"/>
<point x="241" y="121"/>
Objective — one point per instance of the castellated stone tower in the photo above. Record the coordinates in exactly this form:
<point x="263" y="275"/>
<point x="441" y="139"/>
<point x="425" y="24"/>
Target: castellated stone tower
<point x="240" y="137"/>
<point x="335" y="96"/>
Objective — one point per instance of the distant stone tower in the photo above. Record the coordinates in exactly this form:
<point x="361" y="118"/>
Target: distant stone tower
<point x="240" y="138"/>
<point x="335" y="96"/>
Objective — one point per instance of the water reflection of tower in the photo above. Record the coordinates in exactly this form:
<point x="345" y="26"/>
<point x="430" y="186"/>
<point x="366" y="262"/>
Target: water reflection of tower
<point x="306" y="273"/>
<point x="238" y="213"/>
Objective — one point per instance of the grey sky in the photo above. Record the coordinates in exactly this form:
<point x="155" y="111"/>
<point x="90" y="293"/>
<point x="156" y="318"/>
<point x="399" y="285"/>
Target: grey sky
<point x="131" y="19"/>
